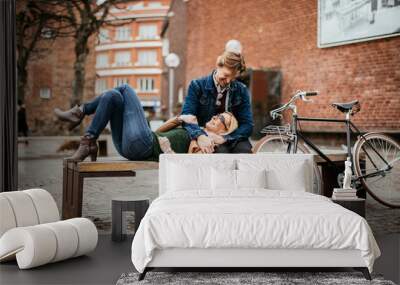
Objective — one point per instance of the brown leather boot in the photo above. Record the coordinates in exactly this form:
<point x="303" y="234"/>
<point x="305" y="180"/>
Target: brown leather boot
<point x="88" y="146"/>
<point x="74" y="116"/>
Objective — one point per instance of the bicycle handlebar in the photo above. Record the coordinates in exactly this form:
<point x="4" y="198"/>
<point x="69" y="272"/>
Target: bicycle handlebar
<point x="311" y="93"/>
<point x="299" y="94"/>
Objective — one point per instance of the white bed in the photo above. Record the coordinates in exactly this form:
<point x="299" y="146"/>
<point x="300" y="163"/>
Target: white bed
<point x="228" y="226"/>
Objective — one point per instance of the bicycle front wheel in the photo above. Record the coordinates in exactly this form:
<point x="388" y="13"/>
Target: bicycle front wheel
<point x="280" y="144"/>
<point x="377" y="163"/>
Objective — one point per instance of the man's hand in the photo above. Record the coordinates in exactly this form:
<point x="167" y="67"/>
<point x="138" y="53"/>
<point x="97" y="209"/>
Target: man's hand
<point x="205" y="143"/>
<point x="189" y="119"/>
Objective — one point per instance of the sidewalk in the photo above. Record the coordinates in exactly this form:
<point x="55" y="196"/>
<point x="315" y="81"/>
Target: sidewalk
<point x="41" y="166"/>
<point x="46" y="147"/>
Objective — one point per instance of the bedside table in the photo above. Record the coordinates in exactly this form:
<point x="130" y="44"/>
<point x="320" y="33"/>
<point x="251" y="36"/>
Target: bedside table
<point x="357" y="205"/>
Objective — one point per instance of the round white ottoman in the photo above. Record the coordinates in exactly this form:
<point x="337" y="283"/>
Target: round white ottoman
<point x="31" y="230"/>
<point x="37" y="245"/>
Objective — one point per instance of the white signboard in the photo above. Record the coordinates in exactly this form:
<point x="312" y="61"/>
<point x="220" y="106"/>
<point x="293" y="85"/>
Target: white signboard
<point x="348" y="21"/>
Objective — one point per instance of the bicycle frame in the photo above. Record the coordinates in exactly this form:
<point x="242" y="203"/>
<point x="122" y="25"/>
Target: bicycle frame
<point x="350" y="130"/>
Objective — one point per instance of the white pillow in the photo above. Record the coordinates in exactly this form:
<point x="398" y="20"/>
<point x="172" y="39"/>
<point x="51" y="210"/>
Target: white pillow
<point x="251" y="178"/>
<point x="280" y="180"/>
<point x="282" y="174"/>
<point x="231" y="180"/>
<point x="182" y="177"/>
<point x="223" y="179"/>
<point x="194" y="174"/>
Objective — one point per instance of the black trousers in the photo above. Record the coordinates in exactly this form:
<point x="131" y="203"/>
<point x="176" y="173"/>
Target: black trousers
<point x="242" y="146"/>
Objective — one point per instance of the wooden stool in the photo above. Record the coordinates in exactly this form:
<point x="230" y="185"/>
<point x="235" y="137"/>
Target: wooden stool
<point x="120" y="205"/>
<point x="74" y="173"/>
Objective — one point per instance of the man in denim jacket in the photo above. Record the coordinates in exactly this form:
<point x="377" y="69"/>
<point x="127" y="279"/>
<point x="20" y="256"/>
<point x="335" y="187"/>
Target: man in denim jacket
<point x="215" y="94"/>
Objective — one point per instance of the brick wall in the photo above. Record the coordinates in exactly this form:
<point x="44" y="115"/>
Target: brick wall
<point x="177" y="35"/>
<point x="54" y="70"/>
<point x="283" y="35"/>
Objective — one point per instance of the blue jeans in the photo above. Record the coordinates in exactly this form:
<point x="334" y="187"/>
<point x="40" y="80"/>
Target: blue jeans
<point x="130" y="131"/>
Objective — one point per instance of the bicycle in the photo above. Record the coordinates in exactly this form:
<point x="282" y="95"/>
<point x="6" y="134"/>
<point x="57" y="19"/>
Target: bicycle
<point x="375" y="157"/>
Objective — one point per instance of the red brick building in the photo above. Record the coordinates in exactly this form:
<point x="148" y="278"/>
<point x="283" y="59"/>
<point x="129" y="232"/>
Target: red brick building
<point x="283" y="36"/>
<point x="131" y="51"/>
<point x="174" y="33"/>
<point x="50" y="79"/>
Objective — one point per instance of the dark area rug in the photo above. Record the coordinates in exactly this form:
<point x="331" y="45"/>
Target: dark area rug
<point x="243" y="278"/>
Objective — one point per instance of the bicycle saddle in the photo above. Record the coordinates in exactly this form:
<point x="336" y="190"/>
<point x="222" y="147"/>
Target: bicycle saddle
<point x="346" y="107"/>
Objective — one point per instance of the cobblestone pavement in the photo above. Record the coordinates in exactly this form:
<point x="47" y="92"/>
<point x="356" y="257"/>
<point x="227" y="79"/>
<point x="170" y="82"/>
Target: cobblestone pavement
<point x="98" y="192"/>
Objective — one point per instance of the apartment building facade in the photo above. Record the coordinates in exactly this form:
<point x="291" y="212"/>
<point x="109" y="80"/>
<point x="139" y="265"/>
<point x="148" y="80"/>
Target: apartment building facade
<point x="130" y="50"/>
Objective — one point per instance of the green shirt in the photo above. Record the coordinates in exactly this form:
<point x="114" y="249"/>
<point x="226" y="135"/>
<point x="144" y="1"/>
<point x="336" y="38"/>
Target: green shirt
<point x="179" y="139"/>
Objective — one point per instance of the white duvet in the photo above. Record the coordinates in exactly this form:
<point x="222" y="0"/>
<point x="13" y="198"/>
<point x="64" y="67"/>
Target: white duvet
<point x="250" y="219"/>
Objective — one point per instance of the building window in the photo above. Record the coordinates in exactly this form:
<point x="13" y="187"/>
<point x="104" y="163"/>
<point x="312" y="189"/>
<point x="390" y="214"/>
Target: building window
<point x="103" y="36"/>
<point x="147" y="32"/>
<point x="101" y="60"/>
<point x="154" y="4"/>
<point x="180" y="95"/>
<point x="48" y="33"/>
<point x="120" y="80"/>
<point x="45" y="93"/>
<point x="147" y="57"/>
<point x="145" y="84"/>
<point x="123" y="58"/>
<point x="137" y="6"/>
<point x="123" y="33"/>
<point x="101" y="86"/>
<point x="165" y="47"/>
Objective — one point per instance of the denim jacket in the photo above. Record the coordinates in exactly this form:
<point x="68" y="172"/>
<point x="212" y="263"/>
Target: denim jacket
<point x="200" y="102"/>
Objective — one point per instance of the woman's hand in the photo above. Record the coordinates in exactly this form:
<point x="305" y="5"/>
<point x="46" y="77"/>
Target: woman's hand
<point x="165" y="145"/>
<point x="206" y="144"/>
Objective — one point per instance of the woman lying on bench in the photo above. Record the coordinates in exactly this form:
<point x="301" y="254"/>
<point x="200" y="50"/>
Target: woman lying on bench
<point x="130" y="131"/>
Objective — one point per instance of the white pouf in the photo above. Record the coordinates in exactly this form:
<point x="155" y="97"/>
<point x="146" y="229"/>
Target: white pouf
<point x="46" y="207"/>
<point x="31" y="232"/>
<point x="22" y="207"/>
<point x="7" y="218"/>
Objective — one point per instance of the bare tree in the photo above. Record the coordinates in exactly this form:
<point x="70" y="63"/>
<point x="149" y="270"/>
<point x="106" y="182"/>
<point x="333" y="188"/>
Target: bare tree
<point x="36" y="21"/>
<point x="85" y="18"/>
<point x="50" y="19"/>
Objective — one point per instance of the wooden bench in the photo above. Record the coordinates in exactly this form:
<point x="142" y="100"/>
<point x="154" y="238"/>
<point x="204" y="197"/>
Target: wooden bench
<point x="75" y="172"/>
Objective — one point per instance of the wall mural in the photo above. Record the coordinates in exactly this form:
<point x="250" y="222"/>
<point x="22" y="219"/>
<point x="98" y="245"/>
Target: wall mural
<point x="348" y="21"/>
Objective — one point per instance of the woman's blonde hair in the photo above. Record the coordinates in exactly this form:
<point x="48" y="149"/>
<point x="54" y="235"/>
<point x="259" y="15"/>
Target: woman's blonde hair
<point x="233" y="125"/>
<point x="232" y="60"/>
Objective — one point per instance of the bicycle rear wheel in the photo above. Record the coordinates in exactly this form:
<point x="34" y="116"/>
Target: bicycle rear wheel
<point x="279" y="144"/>
<point x="380" y="179"/>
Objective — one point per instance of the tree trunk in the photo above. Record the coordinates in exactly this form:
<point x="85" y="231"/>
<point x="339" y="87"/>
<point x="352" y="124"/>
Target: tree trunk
<point x="22" y="73"/>
<point x="78" y="86"/>
<point x="21" y="83"/>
